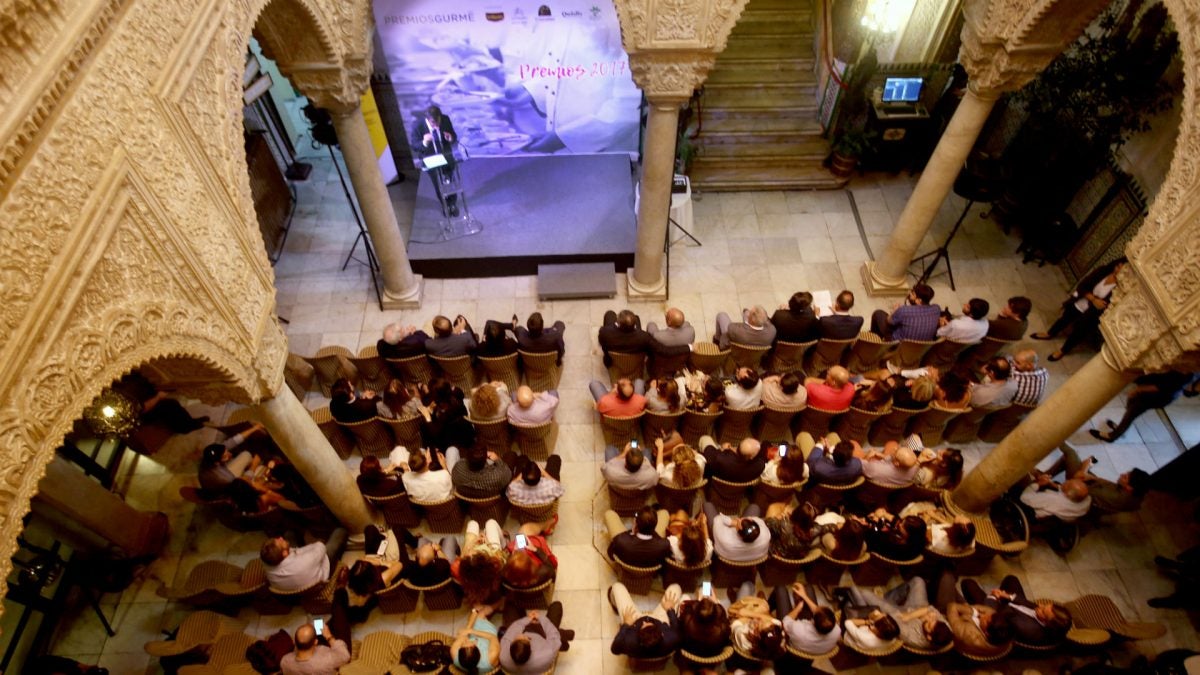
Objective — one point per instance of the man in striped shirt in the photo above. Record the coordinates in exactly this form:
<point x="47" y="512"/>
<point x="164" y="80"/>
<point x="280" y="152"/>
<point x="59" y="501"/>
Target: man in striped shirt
<point x="1030" y="378"/>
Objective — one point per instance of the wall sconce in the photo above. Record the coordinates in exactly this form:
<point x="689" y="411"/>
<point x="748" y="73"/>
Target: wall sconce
<point x="886" y="16"/>
<point x="113" y="414"/>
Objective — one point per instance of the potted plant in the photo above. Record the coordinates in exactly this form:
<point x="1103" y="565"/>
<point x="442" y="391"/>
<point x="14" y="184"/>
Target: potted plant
<point x="847" y="149"/>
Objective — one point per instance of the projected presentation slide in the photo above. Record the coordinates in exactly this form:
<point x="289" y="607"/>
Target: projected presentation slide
<point x="514" y="78"/>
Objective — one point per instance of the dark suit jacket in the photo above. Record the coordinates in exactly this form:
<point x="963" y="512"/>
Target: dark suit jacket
<point x="451" y="345"/>
<point x="626" y="641"/>
<point x="729" y="465"/>
<point x="840" y="326"/>
<point x="418" y="135"/>
<point x="793" y="327"/>
<point x="413" y="345"/>
<point x="1003" y="328"/>
<point x="636" y="341"/>
<point x="349" y="412"/>
<point x="633" y="550"/>
<point x="551" y="339"/>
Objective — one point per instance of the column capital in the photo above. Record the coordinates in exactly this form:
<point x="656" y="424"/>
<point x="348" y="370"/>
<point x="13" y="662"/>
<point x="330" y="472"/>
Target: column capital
<point x="669" y="78"/>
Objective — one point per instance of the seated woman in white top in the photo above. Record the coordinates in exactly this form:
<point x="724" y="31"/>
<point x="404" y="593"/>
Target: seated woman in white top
<point x="420" y="482"/>
<point x="745" y="392"/>
<point x="788" y="467"/>
<point x="685" y="469"/>
<point x="690" y="543"/>
<point x="948" y="534"/>
<point x="784" y="392"/>
<point x="662" y="396"/>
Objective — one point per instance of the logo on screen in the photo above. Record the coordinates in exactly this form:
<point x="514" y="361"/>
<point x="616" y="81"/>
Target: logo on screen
<point x="494" y="16"/>
<point x="544" y="10"/>
<point x="572" y="14"/>
<point x="518" y="16"/>
<point x="595" y="10"/>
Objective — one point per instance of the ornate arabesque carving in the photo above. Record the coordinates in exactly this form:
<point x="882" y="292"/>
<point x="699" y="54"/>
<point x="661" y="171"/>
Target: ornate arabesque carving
<point x="670" y="75"/>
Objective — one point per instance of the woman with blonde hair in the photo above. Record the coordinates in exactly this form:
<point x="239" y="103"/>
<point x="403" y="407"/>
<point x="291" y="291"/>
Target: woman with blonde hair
<point x="685" y="469"/>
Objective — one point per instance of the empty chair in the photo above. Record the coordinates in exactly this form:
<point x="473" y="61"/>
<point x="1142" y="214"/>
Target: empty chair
<point x="197" y="630"/>
<point x="406" y="430"/>
<point x="678" y="499"/>
<point x="397" y="599"/>
<point x="931" y="424"/>
<point x="492" y="435"/>
<point x="252" y="581"/>
<point x="444" y="516"/>
<point x="855" y="424"/>
<point x="620" y="430"/>
<point x="747" y="356"/>
<point x="625" y="364"/>
<point x="373" y="371"/>
<point x="735" y="424"/>
<point x="637" y="579"/>
<point x="825" y="354"/>
<point x="200" y="587"/>
<point x="891" y="426"/>
<point x="541" y="370"/>
<point x="965" y="427"/>
<point x="535" y="441"/>
<point x="707" y="357"/>
<point x="667" y="366"/>
<point x="485" y="509"/>
<point x="998" y="424"/>
<point x="331" y="364"/>
<point x="413" y="369"/>
<point x="817" y="421"/>
<point x="397" y="510"/>
<point x="342" y="440"/>
<point x="298" y="375"/>
<point x="909" y="353"/>
<point x="228" y="652"/>
<point x="727" y="496"/>
<point x="658" y="425"/>
<point x="788" y="357"/>
<point x="697" y="424"/>
<point x="501" y="369"/>
<point x="867" y="352"/>
<point x="943" y="354"/>
<point x="627" y="502"/>
<point x="457" y="369"/>
<point x="775" y="424"/>
<point x="373" y="437"/>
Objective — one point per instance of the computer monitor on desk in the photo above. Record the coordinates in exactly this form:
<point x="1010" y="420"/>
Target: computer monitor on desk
<point x="900" y="90"/>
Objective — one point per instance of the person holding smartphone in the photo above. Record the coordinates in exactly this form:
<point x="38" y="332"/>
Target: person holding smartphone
<point x="645" y="635"/>
<point x="311" y="657"/>
<point x="703" y="623"/>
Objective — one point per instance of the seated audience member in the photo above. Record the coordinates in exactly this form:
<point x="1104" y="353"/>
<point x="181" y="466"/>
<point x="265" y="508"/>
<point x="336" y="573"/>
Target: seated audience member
<point x="447" y="425"/>
<point x="451" y="339"/>
<point x="347" y="407"/>
<point x="735" y="466"/>
<point x="834" y="392"/>
<point x="398" y="401"/>
<point x="914" y="394"/>
<point x="534" y="563"/>
<point x="874" y="397"/>
<point x="920" y="624"/>
<point x="707" y="397"/>
<point x="479" y="567"/>
<point x="940" y="469"/>
<point x="476" y="648"/>
<point x="534" y="486"/>
<point x="914" y="319"/>
<point x="294" y="569"/>
<point x="535" y="338"/>
<point x="623" y="333"/>
<point x="533" y="409"/>
<point x="753" y="331"/>
<point x="787" y="467"/>
<point x="953" y="391"/>
<point x="1012" y="321"/>
<point x="874" y="631"/>
<point x="743" y="539"/>
<point x="1122" y="496"/>
<point x="997" y="390"/>
<point x="753" y="629"/>
<point x="423" y="483"/>
<point x="836" y="466"/>
<point x="311" y="658"/>
<point x="845" y="542"/>
<point x="948" y="535"/>
<point x="1031" y="379"/>
<point x="480" y="474"/>
<point x="496" y="341"/>
<point x="531" y="645"/>
<point x="685" y="470"/>
<point x="793" y="531"/>
<point x="401" y="342"/>
<point x="971" y="327"/>
<point x="368" y="576"/>
<point x="839" y="324"/>
<point x="745" y="391"/>
<point x="783" y="392"/>
<point x="689" y="539"/>
<point x="1039" y="623"/>
<point x="628" y="469"/>
<point x="1068" y="501"/>
<point x="703" y="626"/>
<point x="978" y="629"/>
<point x="375" y="481"/>
<point x="489" y="402"/>
<point x="796" y="321"/>
<point x="676" y="333"/>
<point x="662" y="396"/>
<point x="219" y="467"/>
<point x="896" y="538"/>
<point x="625" y="399"/>
<point x="810" y="629"/>
<point x="895" y="466"/>
<point x="433" y="562"/>
<point x="641" y="546"/>
<point x="645" y="635"/>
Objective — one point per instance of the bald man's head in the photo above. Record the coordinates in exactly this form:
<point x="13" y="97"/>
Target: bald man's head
<point x="306" y="637"/>
<point x="524" y="396"/>
<point x="905" y="458"/>
<point x="837" y="377"/>
<point x="1025" y="360"/>
<point x="1076" y="490"/>
<point x="674" y="317"/>
<point x="749" y="448"/>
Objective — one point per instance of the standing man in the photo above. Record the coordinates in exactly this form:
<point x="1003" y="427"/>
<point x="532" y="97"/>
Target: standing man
<point x="434" y="135"/>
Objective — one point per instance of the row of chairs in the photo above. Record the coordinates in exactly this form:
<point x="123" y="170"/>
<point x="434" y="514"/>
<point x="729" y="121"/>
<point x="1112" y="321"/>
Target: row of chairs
<point x="863" y="353"/>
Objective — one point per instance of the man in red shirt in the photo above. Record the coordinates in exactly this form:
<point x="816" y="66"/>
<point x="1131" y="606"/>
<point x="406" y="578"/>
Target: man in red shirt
<point x="833" y="393"/>
<point x="623" y="400"/>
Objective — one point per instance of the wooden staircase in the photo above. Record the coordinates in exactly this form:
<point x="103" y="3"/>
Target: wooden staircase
<point x="760" y="129"/>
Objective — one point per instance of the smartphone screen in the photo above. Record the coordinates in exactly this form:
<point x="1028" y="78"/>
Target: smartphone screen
<point x="318" y="625"/>
<point x="522" y="541"/>
<point x="382" y="548"/>
<point x="706" y="588"/>
<point x="633" y="444"/>
<point x="783" y="449"/>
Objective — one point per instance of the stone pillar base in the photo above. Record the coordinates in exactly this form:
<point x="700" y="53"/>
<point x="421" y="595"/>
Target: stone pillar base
<point x="877" y="287"/>
<point x="410" y="300"/>
<point x="655" y="292"/>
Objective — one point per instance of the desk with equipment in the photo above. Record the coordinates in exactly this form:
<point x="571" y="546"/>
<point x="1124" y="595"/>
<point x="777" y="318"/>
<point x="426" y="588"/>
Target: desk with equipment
<point x="901" y="121"/>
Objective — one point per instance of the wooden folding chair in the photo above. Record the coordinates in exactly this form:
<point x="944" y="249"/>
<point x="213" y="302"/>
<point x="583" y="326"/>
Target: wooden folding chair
<point x="679" y="499"/>
<point x="735" y="424"/>
<point x="342" y="440"/>
<point x="855" y="423"/>
<point x="658" y="424"/>
<point x="637" y="580"/>
<point x="867" y="352"/>
<point x="251" y="582"/>
<point x="817" y="421"/>
<point x="406" y="430"/>
<point x="620" y="430"/>
<point x="965" y="427"/>
<point x="397" y="510"/>
<point x="331" y="364"/>
<point x="998" y="424"/>
<point x="747" y="356"/>
<point x="493" y="435"/>
<point x="707" y="357"/>
<point x="943" y="354"/>
<point x="625" y="364"/>
<point x="372" y="437"/>
<point x="445" y="516"/>
<point x="458" y="369"/>
<point x="696" y="424"/>
<point x="412" y="369"/>
<point x="931" y="424"/>
<point x="788" y="357"/>
<point x="535" y="441"/>
<point x="373" y="371"/>
<point x="502" y="369"/>
<point x="727" y="496"/>
<point x="541" y="370"/>
<point x="909" y="353"/>
<point x="826" y="354"/>
<point x="775" y="424"/>
<point x="890" y="427"/>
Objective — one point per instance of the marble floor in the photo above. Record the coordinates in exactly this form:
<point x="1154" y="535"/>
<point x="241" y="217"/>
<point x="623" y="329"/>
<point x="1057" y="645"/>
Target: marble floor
<point x="757" y="248"/>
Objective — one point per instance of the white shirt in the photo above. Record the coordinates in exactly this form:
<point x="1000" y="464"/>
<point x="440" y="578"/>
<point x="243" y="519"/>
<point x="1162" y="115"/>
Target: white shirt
<point x="1100" y="290"/>
<point x="1054" y="503"/>
<point x="803" y="636"/>
<point x="964" y="329"/>
<point x="863" y="636"/>
<point x="428" y="486"/>
<point x="677" y="554"/>
<point x="770" y="472"/>
<point x="737" y="398"/>
<point x="666" y="473"/>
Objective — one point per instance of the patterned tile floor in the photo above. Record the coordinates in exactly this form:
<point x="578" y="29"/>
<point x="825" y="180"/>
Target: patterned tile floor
<point x="758" y="248"/>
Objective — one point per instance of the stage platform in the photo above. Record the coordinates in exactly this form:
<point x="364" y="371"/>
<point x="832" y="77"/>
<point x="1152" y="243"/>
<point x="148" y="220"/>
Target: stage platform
<point x="540" y="210"/>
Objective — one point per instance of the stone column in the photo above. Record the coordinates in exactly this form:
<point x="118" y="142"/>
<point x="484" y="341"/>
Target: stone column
<point x="293" y="430"/>
<point x="401" y="288"/>
<point x="1042" y="431"/>
<point x="889" y="274"/>
<point x="646" y="281"/>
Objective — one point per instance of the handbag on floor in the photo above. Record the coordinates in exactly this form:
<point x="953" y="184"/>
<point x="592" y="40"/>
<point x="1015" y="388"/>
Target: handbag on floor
<point x="427" y="657"/>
